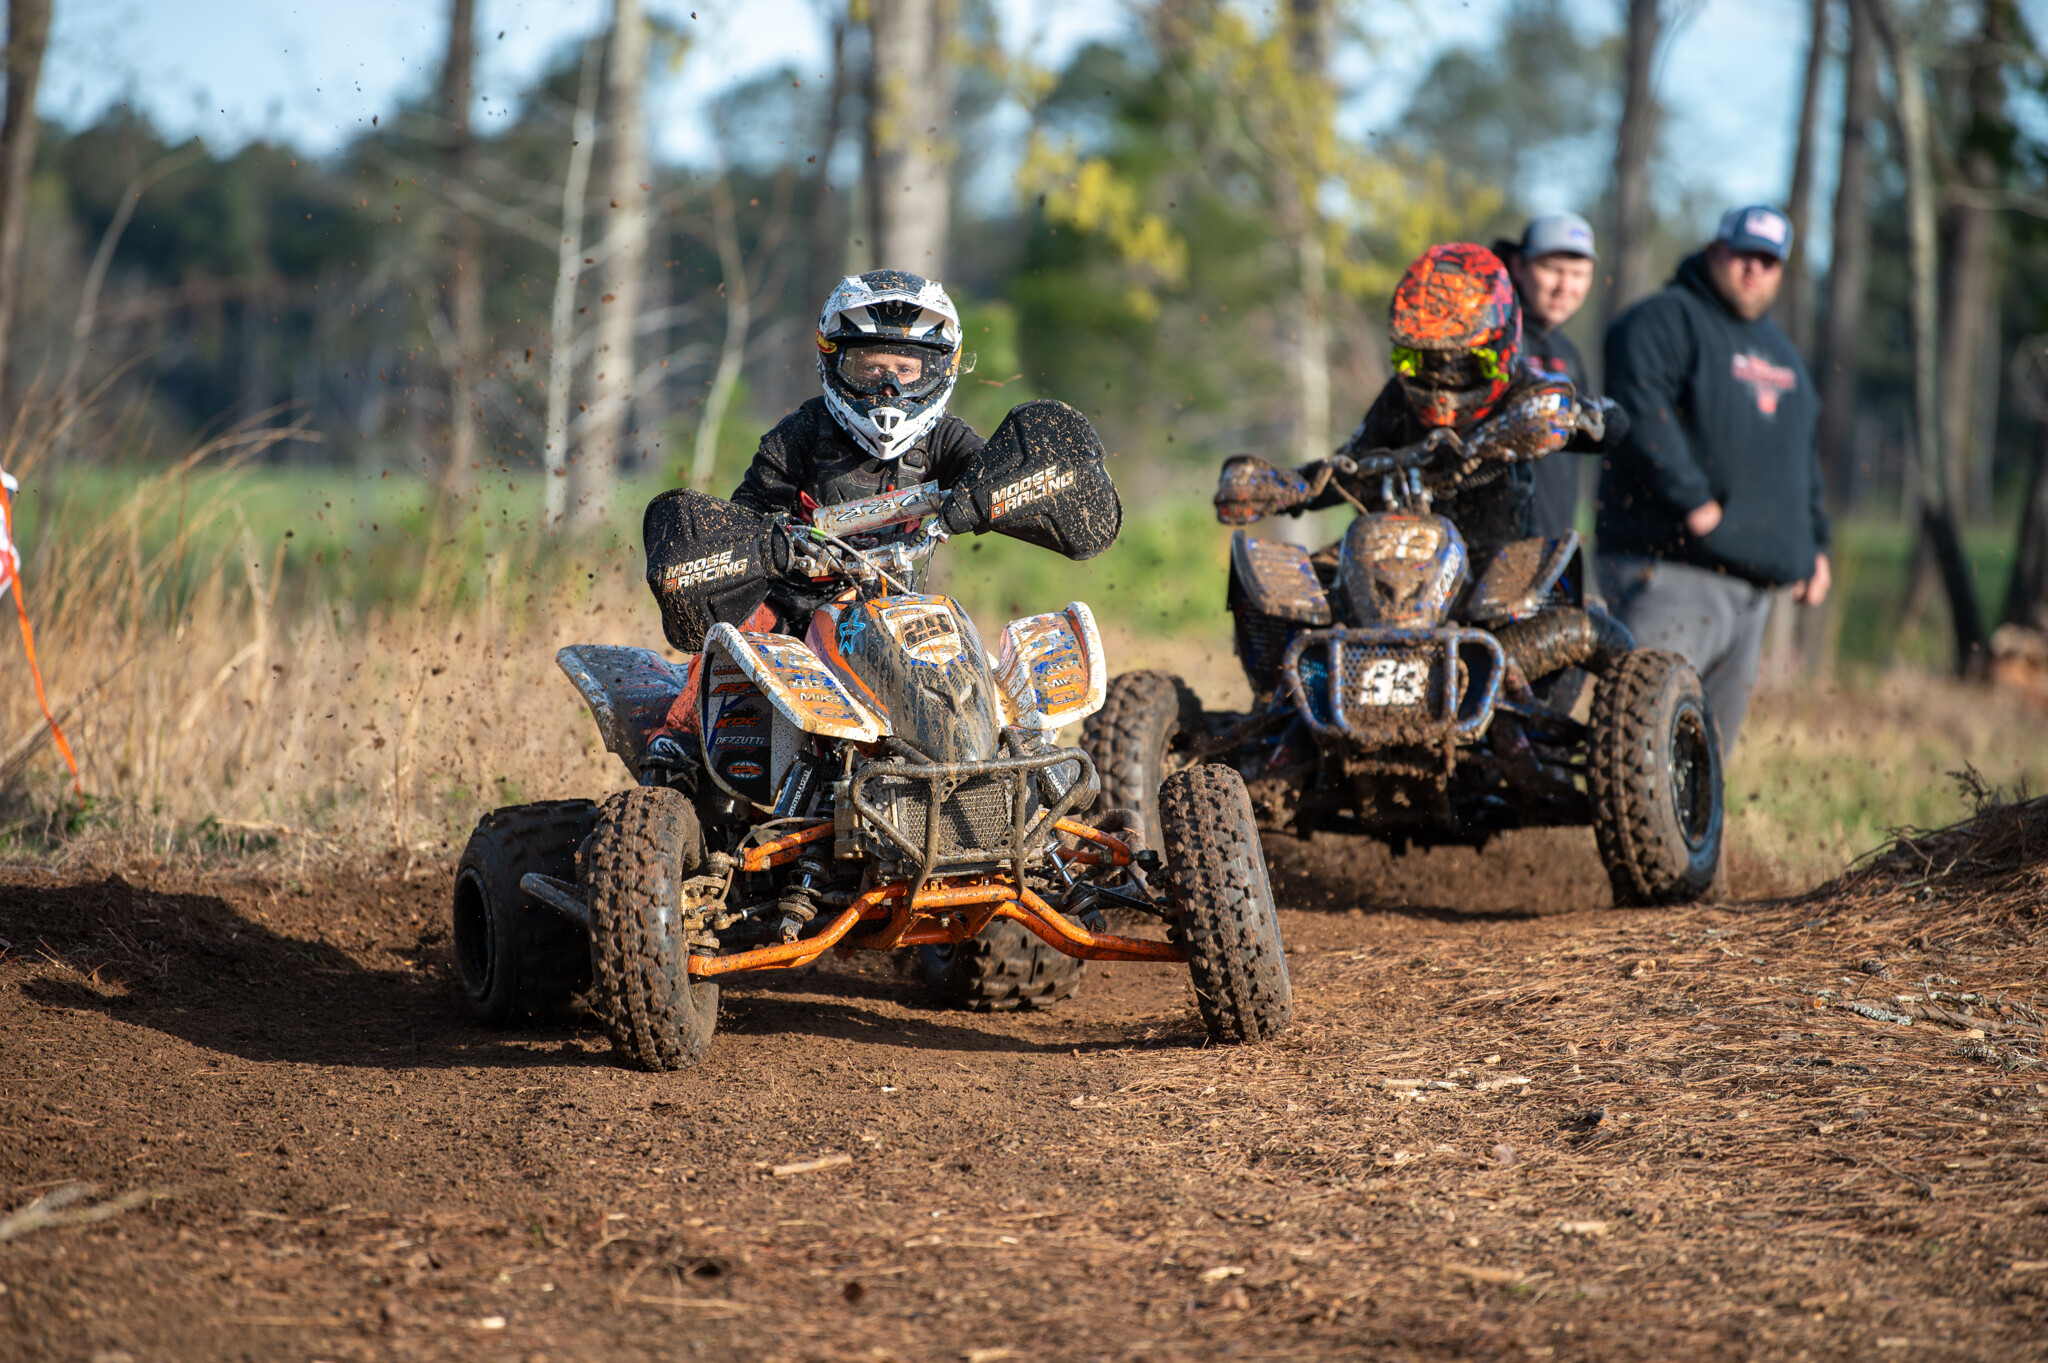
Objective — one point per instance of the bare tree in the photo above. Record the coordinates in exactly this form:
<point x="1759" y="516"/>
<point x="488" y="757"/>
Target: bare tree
<point x="2026" y="596"/>
<point x="739" y="316"/>
<point x="1309" y="29"/>
<point x="1936" y="481"/>
<point x="568" y="269"/>
<point x="1628" y="252"/>
<point x="624" y="259"/>
<point x="96" y="276"/>
<point x="1796" y="300"/>
<point x="828" y="220"/>
<point x="1849" y="261"/>
<point x="28" y="33"/>
<point x="910" y="113"/>
<point x="1969" y="324"/>
<point x="465" y="284"/>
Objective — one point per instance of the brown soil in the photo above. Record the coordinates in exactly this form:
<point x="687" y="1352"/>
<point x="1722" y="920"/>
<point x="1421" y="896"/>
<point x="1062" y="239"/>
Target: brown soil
<point x="1656" y="1137"/>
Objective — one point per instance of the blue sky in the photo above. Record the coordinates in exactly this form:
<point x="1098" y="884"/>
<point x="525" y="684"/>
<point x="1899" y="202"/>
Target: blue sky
<point x="313" y="73"/>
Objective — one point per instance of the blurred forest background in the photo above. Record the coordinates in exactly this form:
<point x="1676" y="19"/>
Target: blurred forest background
<point x="291" y="428"/>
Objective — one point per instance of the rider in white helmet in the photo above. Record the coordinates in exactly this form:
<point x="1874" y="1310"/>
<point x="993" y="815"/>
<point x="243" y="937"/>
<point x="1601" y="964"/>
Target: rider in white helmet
<point x="889" y="355"/>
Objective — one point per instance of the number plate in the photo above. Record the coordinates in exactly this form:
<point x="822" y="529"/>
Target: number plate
<point x="1393" y="681"/>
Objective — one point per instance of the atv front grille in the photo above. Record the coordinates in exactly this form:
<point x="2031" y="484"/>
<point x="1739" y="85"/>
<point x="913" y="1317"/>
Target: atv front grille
<point x="1394" y="687"/>
<point x="988" y="812"/>
<point x="976" y="817"/>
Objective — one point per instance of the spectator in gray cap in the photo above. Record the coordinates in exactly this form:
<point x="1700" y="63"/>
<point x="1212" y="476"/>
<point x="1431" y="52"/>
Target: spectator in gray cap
<point x="1552" y="266"/>
<point x="1714" y="498"/>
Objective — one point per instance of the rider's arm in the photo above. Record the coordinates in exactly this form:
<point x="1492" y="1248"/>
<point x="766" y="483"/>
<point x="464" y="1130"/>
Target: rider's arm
<point x="954" y="446"/>
<point x="1386" y="424"/>
<point x="776" y="479"/>
<point x="1650" y="357"/>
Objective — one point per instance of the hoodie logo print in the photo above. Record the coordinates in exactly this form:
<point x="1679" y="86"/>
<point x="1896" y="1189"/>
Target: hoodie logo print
<point x="1768" y="381"/>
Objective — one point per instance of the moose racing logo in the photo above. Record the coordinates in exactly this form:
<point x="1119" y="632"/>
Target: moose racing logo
<point x="1025" y="490"/>
<point x="710" y="568"/>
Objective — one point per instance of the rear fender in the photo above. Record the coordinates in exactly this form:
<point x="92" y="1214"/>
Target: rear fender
<point x="630" y="692"/>
<point x="1052" y="668"/>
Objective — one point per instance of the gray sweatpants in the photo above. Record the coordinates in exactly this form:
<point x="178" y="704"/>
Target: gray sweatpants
<point x="1713" y="621"/>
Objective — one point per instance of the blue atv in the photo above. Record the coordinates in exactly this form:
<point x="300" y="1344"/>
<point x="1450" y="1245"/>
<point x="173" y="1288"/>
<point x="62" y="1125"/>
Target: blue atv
<point x="1399" y="697"/>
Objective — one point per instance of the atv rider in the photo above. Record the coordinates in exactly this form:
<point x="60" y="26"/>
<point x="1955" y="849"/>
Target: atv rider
<point x="888" y="359"/>
<point x="1456" y="328"/>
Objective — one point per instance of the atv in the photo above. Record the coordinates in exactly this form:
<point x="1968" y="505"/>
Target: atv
<point x="883" y="783"/>
<point x="1398" y="698"/>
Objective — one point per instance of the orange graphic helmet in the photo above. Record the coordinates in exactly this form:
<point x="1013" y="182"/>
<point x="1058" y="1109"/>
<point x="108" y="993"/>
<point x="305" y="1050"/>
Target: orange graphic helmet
<point x="1456" y="328"/>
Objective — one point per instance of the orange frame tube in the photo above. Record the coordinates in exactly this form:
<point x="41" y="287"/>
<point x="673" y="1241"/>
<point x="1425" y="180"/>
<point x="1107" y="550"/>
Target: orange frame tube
<point x="1119" y="851"/>
<point x="785" y="848"/>
<point x="901" y="927"/>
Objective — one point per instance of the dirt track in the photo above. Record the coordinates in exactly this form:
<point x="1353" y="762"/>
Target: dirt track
<point x="1657" y="1144"/>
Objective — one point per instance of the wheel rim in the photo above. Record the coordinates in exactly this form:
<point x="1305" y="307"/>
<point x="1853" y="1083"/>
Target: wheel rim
<point x="473" y="945"/>
<point x="1692" y="775"/>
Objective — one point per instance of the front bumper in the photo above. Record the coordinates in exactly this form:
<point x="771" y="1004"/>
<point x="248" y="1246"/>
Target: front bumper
<point x="1384" y="688"/>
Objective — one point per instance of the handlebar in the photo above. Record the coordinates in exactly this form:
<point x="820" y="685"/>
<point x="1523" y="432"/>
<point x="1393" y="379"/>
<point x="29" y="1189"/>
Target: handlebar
<point x="872" y="513"/>
<point x="1406" y="457"/>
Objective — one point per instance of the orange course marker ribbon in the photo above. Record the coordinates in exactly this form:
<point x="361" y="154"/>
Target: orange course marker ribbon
<point x="10" y="575"/>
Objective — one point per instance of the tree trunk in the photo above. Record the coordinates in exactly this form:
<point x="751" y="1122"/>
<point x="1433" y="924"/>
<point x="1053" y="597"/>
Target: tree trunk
<point x="96" y="277"/>
<point x="28" y="32"/>
<point x="1969" y="322"/>
<point x="2026" y="596"/>
<point x="624" y="254"/>
<point x="1849" y="264"/>
<point x="909" y="116"/>
<point x="465" y="258"/>
<point x="1938" y="509"/>
<point x="739" y="316"/>
<point x="828" y="219"/>
<point x="1796" y="300"/>
<point x="568" y="268"/>
<point x="1308" y="24"/>
<point x="1628" y="249"/>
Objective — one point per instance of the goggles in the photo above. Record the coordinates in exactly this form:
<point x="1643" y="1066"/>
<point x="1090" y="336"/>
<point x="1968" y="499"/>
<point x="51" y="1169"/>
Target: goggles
<point x="1449" y="368"/>
<point x="911" y="370"/>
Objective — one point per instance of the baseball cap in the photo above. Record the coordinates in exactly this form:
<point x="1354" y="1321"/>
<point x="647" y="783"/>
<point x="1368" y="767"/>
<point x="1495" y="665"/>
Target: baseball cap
<point x="1758" y="227"/>
<point x="1558" y="234"/>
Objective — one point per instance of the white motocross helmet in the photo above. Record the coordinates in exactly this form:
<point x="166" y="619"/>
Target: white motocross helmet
<point x="888" y="353"/>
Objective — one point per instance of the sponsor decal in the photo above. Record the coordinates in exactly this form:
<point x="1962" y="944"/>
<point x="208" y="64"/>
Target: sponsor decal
<point x="741" y="720"/>
<point x="1768" y="381"/>
<point x="710" y="568"/>
<point x="745" y="770"/>
<point x="732" y="688"/>
<point x="1024" y="491"/>
<point x="926" y="631"/>
<point x="732" y="740"/>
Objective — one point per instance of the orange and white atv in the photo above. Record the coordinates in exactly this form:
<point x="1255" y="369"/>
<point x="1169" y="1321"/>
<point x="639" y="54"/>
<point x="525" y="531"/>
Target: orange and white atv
<point x="886" y="782"/>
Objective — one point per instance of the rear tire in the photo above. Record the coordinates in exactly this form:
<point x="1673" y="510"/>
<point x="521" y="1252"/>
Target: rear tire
<point x="1004" y="968"/>
<point x="1654" y="772"/>
<point x="1228" y="925"/>
<point x="646" y="845"/>
<point x="1134" y="738"/>
<point x="518" y="958"/>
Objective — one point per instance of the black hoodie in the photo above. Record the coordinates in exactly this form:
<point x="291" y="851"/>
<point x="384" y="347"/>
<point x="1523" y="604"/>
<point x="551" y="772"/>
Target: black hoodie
<point x="1721" y="410"/>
